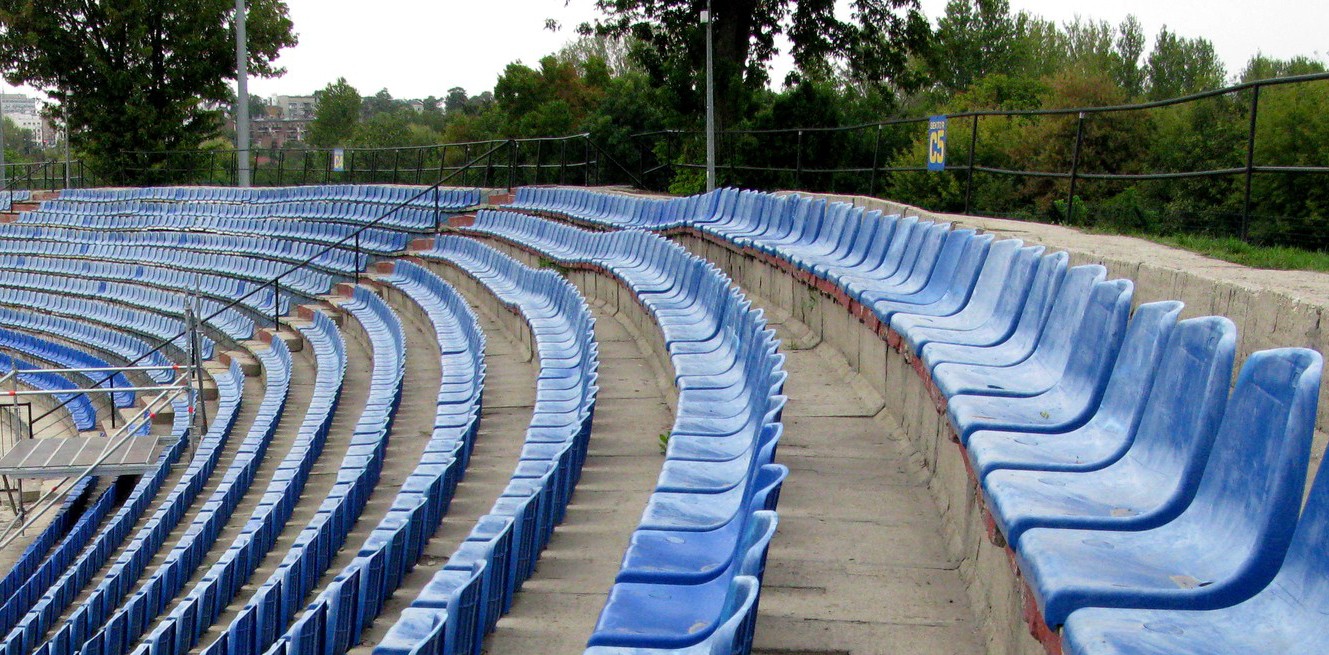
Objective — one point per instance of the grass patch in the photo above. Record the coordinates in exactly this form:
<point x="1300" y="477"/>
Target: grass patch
<point x="1239" y="252"/>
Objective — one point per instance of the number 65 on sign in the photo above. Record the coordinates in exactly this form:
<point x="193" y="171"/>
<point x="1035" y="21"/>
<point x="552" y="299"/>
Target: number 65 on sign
<point x="937" y="143"/>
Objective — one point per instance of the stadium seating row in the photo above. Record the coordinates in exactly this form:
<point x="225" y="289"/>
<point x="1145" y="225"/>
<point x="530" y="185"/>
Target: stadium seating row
<point x="79" y="241"/>
<point x="335" y="619"/>
<point x="692" y="571"/>
<point x="208" y="285"/>
<point x="134" y="558"/>
<point x="112" y="342"/>
<point x="71" y="510"/>
<point x="77" y="405"/>
<point x="276" y="601"/>
<point x="451" y="199"/>
<point x="229" y="321"/>
<point x="126" y="604"/>
<point x="465" y="599"/>
<point x="27" y="614"/>
<point x="1149" y="509"/>
<point x="205" y="602"/>
<point x="374" y="240"/>
<point x="7" y="198"/>
<point x="414" y="211"/>
<point x="154" y="326"/>
<point x="254" y="269"/>
<point x="63" y="356"/>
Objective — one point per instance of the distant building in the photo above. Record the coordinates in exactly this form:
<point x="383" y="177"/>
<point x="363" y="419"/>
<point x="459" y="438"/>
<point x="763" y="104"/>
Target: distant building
<point x="297" y="108"/>
<point x="268" y="133"/>
<point x="26" y="114"/>
<point x="285" y="119"/>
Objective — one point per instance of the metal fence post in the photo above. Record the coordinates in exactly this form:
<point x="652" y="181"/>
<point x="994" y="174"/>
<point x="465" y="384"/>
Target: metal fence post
<point x="438" y="216"/>
<point x="669" y="153"/>
<point x="357" y="257"/>
<point x="512" y="164"/>
<point x="586" y="162"/>
<point x="1250" y="165"/>
<point x="489" y="168"/>
<point x="798" y="162"/>
<point x="396" y="164"/>
<point x="969" y="180"/>
<point x="114" y="411"/>
<point x="539" y="147"/>
<point x="599" y="174"/>
<point x="276" y="303"/>
<point x="876" y="150"/>
<point x="563" y="161"/>
<point x="641" y="162"/>
<point x="1075" y="167"/>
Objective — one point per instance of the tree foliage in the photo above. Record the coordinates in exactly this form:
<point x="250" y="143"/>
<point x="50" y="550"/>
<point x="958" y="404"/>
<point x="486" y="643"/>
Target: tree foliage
<point x="874" y="45"/>
<point x="336" y="112"/>
<point x="137" y="76"/>
<point x="1179" y="66"/>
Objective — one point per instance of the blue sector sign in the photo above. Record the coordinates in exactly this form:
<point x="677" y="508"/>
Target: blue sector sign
<point x="936" y="143"/>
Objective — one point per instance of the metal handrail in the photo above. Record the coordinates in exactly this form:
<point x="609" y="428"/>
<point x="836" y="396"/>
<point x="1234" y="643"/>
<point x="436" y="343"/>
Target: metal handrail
<point x="1059" y="111"/>
<point x="275" y="282"/>
<point x="119" y="440"/>
<point x="1249" y="169"/>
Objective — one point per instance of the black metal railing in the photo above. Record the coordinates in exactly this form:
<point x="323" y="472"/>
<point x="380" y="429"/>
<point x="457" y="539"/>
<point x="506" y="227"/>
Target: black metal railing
<point x="861" y="158"/>
<point x="567" y="160"/>
<point x="44" y="175"/>
<point x="351" y="240"/>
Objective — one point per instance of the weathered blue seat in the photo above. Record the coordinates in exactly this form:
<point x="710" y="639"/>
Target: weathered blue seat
<point x="1073" y="399"/>
<point x="1155" y="479"/>
<point x="1286" y="616"/>
<point x="1228" y="543"/>
<point x="1101" y="319"/>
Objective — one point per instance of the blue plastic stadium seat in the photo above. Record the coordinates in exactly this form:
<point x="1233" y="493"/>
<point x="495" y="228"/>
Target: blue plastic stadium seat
<point x="1156" y="477"/>
<point x="1071" y="401"/>
<point x="1240" y="520"/>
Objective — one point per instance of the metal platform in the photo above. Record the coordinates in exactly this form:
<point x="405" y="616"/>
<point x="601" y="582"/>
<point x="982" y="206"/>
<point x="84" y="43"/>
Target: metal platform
<point x="66" y="456"/>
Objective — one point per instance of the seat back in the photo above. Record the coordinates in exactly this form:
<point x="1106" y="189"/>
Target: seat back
<point x="1186" y="405"/>
<point x="1253" y="481"/>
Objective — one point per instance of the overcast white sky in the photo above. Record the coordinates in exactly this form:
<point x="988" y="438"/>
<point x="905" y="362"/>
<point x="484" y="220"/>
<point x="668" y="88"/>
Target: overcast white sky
<point x="417" y="48"/>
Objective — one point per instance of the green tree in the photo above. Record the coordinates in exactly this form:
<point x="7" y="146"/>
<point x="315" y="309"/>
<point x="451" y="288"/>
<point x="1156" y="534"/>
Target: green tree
<point x="379" y="103"/>
<point x="1179" y="66"/>
<point x="20" y="144"/>
<point x="393" y="129"/>
<point x="1261" y="67"/>
<point x="336" y="113"/>
<point x="975" y="38"/>
<point x="551" y="100"/>
<point x="455" y="101"/>
<point x="1128" y="48"/>
<point x="669" y="43"/>
<point x="137" y="75"/>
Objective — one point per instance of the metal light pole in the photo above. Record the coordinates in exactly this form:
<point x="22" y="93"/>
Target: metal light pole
<point x="242" y="93"/>
<point x="64" y="108"/>
<point x="710" y="99"/>
<point x="3" y="182"/>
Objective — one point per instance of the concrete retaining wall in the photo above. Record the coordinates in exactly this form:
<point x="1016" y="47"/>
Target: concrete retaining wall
<point x="996" y="592"/>
<point x="1272" y="309"/>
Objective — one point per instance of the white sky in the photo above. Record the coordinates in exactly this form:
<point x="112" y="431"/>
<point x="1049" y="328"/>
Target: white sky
<point x="417" y="48"/>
